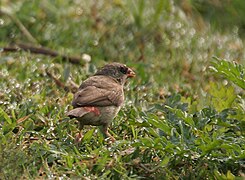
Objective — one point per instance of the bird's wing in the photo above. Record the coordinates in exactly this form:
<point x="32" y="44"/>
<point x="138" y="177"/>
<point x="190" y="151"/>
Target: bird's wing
<point x="99" y="92"/>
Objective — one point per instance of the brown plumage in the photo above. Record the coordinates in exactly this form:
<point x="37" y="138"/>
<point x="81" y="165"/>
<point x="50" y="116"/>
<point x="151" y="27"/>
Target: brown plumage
<point x="100" y="97"/>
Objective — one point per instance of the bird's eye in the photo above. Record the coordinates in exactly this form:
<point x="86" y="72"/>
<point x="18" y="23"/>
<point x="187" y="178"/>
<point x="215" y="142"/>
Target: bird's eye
<point x="124" y="69"/>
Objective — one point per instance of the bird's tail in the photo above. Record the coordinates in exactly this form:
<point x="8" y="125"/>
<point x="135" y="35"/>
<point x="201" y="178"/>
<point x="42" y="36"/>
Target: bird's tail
<point x="77" y="112"/>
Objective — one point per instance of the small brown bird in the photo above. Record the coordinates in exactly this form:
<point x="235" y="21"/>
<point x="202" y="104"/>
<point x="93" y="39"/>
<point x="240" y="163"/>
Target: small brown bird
<point x="100" y="97"/>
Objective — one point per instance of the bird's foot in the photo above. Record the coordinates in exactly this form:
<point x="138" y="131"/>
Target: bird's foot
<point x="112" y="139"/>
<point x="78" y="138"/>
<point x="109" y="137"/>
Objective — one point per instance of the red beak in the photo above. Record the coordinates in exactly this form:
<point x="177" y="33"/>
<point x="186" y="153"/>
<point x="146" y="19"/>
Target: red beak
<point x="130" y="73"/>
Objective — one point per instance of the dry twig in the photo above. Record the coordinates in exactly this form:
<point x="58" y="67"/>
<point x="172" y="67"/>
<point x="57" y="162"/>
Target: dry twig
<point x="72" y="88"/>
<point x="41" y="50"/>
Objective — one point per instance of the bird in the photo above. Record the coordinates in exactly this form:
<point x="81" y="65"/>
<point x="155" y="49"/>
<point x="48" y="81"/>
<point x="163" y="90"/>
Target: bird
<point x="100" y="97"/>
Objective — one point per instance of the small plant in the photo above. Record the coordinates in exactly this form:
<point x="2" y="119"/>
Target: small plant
<point x="231" y="70"/>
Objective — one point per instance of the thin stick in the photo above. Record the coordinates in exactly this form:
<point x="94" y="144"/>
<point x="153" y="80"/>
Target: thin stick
<point x="72" y="88"/>
<point x="41" y="50"/>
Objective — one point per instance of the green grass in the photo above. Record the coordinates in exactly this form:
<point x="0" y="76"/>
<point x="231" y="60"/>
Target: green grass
<point x="184" y="115"/>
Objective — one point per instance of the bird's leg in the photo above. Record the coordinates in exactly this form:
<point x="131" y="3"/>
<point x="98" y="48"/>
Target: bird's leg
<point x="79" y="135"/>
<point x="104" y="130"/>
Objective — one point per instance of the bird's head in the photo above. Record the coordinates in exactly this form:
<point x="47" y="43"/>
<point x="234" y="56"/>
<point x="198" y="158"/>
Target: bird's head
<point x="116" y="70"/>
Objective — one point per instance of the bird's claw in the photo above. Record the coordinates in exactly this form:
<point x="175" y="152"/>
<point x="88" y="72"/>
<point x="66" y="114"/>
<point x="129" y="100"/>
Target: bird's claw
<point x="78" y="138"/>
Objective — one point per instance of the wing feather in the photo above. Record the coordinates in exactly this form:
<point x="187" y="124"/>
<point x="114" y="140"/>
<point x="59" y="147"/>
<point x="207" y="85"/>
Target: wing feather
<point x="99" y="91"/>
